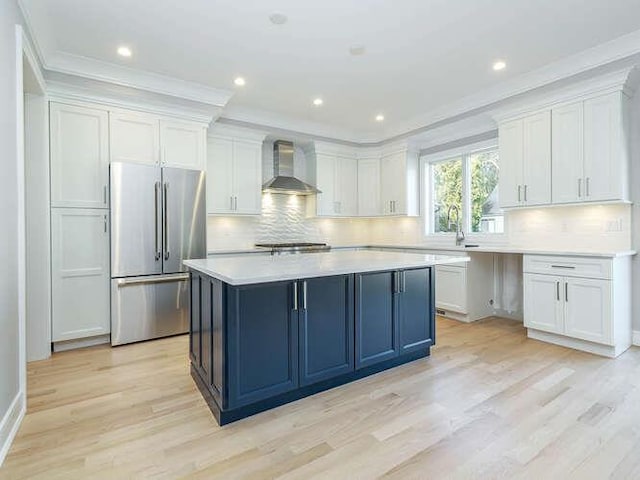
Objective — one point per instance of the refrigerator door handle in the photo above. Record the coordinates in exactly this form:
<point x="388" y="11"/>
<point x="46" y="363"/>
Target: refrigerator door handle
<point x="156" y="222"/>
<point x="166" y="221"/>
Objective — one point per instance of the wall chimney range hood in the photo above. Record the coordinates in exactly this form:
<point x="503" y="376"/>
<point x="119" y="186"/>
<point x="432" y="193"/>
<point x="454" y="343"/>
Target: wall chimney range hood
<point x="283" y="180"/>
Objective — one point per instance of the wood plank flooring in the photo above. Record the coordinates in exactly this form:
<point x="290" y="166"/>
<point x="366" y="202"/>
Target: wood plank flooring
<point x="488" y="403"/>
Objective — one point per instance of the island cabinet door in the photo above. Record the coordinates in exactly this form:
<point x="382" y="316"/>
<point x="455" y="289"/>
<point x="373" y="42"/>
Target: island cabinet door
<point x="376" y="319"/>
<point x="262" y="341"/>
<point x="326" y="328"/>
<point x="194" y="329"/>
<point x="415" y="310"/>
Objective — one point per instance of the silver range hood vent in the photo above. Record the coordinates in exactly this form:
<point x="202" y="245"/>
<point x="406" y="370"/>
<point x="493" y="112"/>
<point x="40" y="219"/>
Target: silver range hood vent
<point x="283" y="180"/>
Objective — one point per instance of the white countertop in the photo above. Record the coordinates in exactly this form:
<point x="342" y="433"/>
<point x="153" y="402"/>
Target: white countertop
<point x="247" y="269"/>
<point x="453" y="248"/>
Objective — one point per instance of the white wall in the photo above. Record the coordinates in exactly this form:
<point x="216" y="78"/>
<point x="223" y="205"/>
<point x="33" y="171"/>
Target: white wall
<point x="9" y="364"/>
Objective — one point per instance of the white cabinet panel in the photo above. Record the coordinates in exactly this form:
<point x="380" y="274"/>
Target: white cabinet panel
<point x="247" y="177"/>
<point x="511" y="138"/>
<point x="219" y="175"/>
<point x="543" y="303"/>
<point x="234" y="177"/>
<point x="347" y="186"/>
<point x="326" y="172"/>
<point x="605" y="157"/>
<point x="134" y="137"/>
<point x="536" y="165"/>
<point x="567" y="153"/>
<point x="80" y="273"/>
<point x="393" y="183"/>
<point x="588" y="309"/>
<point x="79" y="139"/>
<point x="183" y="145"/>
<point x="451" y="288"/>
<point x="369" y="187"/>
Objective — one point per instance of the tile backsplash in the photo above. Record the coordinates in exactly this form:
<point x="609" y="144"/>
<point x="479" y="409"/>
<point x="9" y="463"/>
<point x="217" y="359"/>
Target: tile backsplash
<point x="284" y="219"/>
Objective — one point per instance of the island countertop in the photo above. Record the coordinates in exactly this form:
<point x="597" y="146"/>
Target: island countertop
<point x="245" y="270"/>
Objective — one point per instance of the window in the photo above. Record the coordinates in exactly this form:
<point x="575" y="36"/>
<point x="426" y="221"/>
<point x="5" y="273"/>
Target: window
<point x="464" y="189"/>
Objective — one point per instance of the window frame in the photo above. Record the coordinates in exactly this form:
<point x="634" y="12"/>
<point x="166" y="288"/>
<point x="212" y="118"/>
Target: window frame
<point x="427" y="193"/>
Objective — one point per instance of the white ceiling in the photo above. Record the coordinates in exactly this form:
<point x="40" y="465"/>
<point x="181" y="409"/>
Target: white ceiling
<point x="420" y="54"/>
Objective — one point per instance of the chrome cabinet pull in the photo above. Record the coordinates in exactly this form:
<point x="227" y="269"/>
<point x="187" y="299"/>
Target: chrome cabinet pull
<point x="568" y="267"/>
<point x="295" y="296"/>
<point x="566" y="292"/>
<point x="166" y="221"/>
<point x="230" y="202"/>
<point x="579" y="187"/>
<point x="105" y="223"/>
<point x="403" y="288"/>
<point x="587" y="182"/>
<point x="156" y="210"/>
<point x="558" y="291"/>
<point x="304" y="295"/>
<point x="519" y="193"/>
<point x="104" y="194"/>
<point x="235" y="203"/>
<point x="525" y="193"/>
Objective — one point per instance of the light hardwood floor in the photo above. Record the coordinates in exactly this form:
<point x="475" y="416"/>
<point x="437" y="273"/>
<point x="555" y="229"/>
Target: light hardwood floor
<point x="488" y="403"/>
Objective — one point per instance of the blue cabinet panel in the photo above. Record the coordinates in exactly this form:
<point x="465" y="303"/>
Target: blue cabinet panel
<point x="326" y="328"/>
<point x="376" y="319"/>
<point x="194" y="328"/>
<point x="205" y="328"/>
<point x="218" y="343"/>
<point x="415" y="310"/>
<point x="262" y="342"/>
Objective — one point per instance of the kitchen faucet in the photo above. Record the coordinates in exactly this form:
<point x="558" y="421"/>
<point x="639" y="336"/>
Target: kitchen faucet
<point x="459" y="232"/>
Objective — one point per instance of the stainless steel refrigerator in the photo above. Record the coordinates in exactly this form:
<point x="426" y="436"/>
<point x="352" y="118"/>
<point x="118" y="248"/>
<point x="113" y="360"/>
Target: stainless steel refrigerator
<point x="158" y="220"/>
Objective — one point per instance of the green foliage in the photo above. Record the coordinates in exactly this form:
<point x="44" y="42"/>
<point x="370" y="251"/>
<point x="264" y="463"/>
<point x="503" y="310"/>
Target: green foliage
<point x="448" y="187"/>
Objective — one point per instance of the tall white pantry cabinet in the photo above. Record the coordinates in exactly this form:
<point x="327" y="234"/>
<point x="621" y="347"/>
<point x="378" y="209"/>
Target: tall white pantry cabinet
<point x="84" y="139"/>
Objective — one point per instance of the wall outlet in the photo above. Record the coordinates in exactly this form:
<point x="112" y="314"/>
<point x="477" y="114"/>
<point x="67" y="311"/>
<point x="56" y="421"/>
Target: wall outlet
<point x="614" y="225"/>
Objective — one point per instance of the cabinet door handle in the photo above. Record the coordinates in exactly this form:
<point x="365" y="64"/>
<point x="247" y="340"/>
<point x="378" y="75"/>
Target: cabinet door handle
<point x="156" y="223"/>
<point x="231" y="202"/>
<point x="519" y="193"/>
<point x="235" y="203"/>
<point x="568" y="267"/>
<point x="403" y="288"/>
<point x="104" y="194"/>
<point x="566" y="292"/>
<point x="525" y="193"/>
<point x="579" y="187"/>
<point x="304" y="295"/>
<point x="295" y="296"/>
<point x="587" y="182"/>
<point x="105" y="224"/>
<point x="558" y="291"/>
<point x="396" y="282"/>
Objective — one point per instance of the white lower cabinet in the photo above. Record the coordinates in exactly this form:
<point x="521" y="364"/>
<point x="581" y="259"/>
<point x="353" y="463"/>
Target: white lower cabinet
<point x="80" y="273"/>
<point x="586" y="313"/>
<point x="451" y="288"/>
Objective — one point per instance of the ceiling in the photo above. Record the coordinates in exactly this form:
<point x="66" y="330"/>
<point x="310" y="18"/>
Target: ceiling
<point x="420" y="55"/>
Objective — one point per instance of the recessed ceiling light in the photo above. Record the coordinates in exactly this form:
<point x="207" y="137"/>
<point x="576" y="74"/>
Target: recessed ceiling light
<point x="379" y="117"/>
<point x="124" y="51"/>
<point x="240" y="81"/>
<point x="499" y="65"/>
<point x="278" y="18"/>
<point x="317" y="102"/>
<point x="356" y="50"/>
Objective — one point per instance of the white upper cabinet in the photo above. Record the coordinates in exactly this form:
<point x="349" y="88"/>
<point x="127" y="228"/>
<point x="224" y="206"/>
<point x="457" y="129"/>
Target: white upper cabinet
<point x="134" y="137"/>
<point x="153" y="140"/>
<point x="234" y="176"/>
<point x="369" y="187"/>
<point x="567" y="152"/>
<point x="79" y="273"/>
<point x="606" y="156"/>
<point x="79" y="142"/>
<point x="399" y="183"/>
<point x="525" y="161"/>
<point x="337" y="179"/>
<point x="183" y="144"/>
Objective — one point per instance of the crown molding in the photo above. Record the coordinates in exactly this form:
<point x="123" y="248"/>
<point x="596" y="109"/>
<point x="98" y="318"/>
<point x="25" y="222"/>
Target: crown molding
<point x="134" y="78"/>
<point x="72" y="88"/>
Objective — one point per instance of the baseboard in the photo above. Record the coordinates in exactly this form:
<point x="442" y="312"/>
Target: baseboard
<point x="10" y="424"/>
<point x="81" y="343"/>
<point x="577" y="344"/>
<point x="636" y="338"/>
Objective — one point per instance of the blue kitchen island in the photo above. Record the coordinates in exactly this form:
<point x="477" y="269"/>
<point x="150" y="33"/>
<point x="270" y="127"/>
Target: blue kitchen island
<point x="268" y="330"/>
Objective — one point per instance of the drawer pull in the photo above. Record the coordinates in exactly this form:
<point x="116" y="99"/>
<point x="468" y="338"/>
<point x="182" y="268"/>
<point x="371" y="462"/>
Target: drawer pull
<point x="568" y="267"/>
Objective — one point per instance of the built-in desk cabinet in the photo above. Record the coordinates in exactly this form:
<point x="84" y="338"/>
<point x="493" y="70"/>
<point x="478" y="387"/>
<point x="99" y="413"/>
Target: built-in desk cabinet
<point x="579" y="302"/>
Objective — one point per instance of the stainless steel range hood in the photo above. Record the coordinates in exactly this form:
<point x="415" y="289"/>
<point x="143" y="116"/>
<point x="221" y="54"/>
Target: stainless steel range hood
<point x="283" y="180"/>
